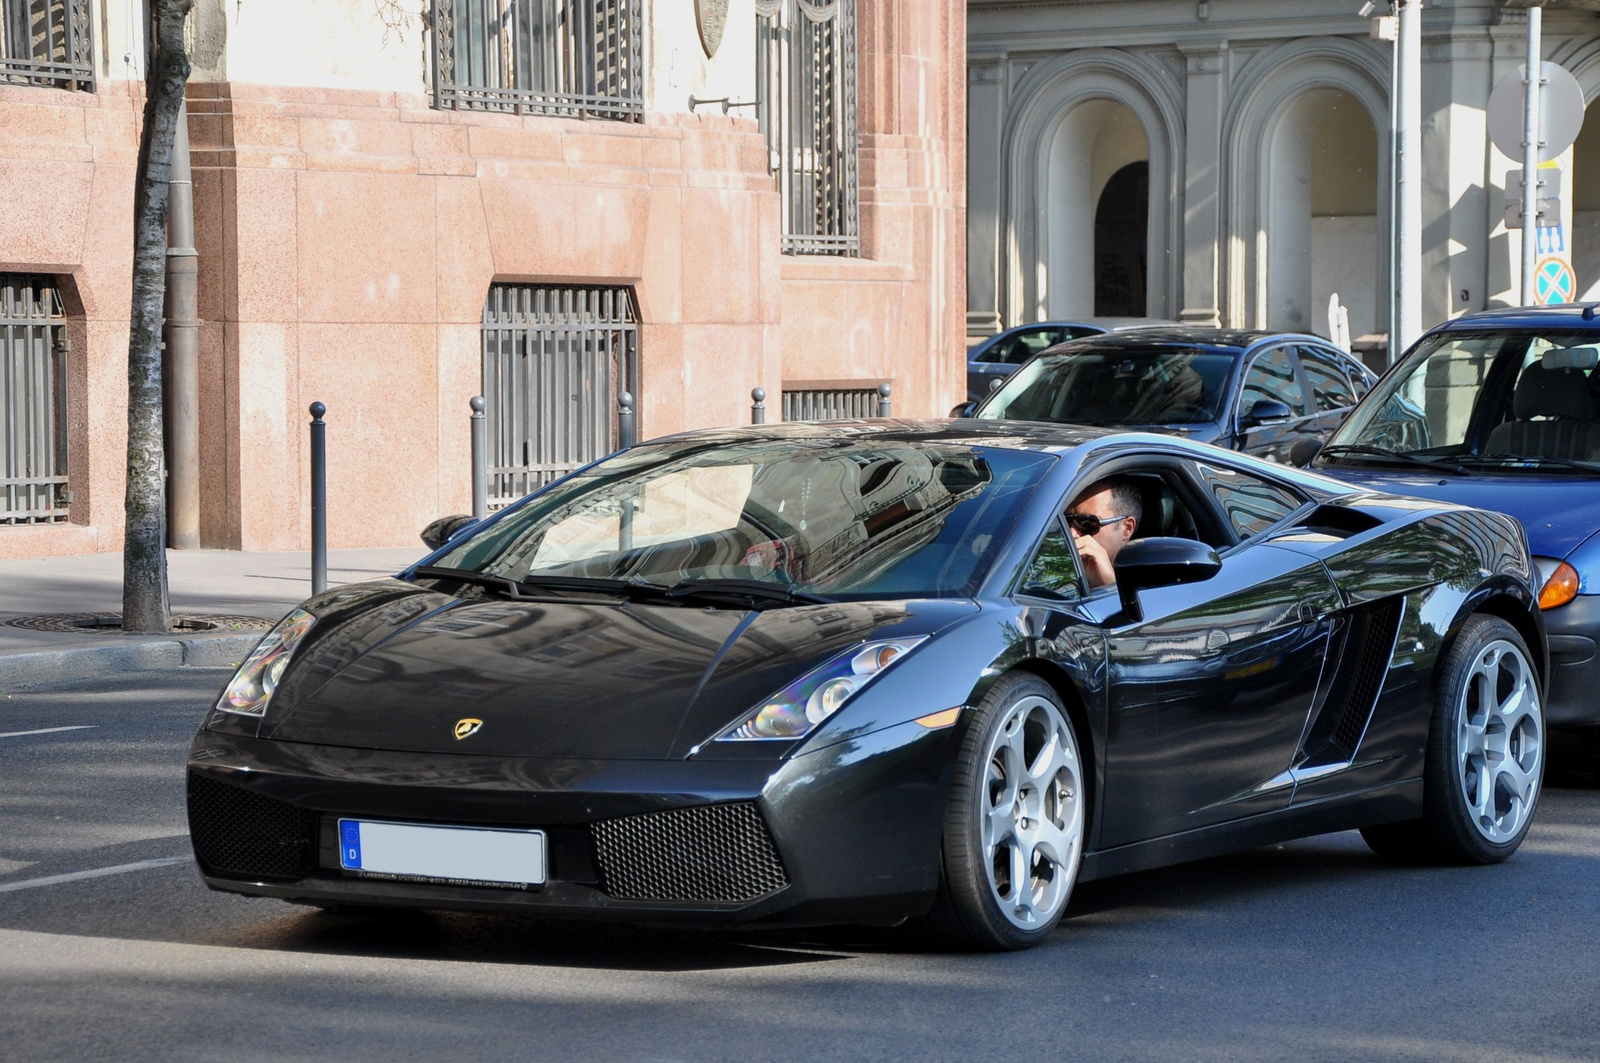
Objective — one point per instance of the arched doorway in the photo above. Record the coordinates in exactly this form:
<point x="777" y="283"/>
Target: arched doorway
<point x="1322" y="214"/>
<point x="1097" y="142"/>
<point x="1121" y="243"/>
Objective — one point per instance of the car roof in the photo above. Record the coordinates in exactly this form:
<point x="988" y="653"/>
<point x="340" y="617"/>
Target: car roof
<point x="1188" y="336"/>
<point x="1565" y="315"/>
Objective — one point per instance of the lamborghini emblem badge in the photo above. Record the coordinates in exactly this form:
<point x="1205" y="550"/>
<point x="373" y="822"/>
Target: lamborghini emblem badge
<point x="467" y="728"/>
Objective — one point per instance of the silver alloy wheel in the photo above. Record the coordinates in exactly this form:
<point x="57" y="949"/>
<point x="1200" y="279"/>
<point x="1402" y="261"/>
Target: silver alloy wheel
<point x="1499" y="741"/>
<point x="1032" y="825"/>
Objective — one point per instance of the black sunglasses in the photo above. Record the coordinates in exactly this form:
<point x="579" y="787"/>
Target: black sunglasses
<point x="1089" y="524"/>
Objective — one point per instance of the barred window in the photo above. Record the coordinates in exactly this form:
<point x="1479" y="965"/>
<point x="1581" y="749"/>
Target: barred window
<point x="33" y="402"/>
<point x="554" y="359"/>
<point x="806" y="104"/>
<point x="46" y="42"/>
<point x="579" y="58"/>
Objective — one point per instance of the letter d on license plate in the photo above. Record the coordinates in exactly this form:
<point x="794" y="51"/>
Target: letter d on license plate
<point x="415" y="850"/>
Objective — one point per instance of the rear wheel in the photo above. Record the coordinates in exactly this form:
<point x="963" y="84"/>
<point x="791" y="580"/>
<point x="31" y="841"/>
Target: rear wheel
<point x="1014" y="825"/>
<point x="1485" y="755"/>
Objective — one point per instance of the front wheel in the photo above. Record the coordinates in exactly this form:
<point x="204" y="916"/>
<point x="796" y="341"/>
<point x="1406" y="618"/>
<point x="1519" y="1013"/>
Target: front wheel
<point x="1014" y="825"/>
<point x="1485" y="756"/>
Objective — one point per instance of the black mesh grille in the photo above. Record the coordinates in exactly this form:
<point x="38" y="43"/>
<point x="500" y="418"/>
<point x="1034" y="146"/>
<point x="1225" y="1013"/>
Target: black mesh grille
<point x="239" y="832"/>
<point x="713" y="853"/>
<point x="1364" y="660"/>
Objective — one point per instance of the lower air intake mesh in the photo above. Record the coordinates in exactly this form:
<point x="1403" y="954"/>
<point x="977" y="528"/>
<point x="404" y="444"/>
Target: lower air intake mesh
<point x="240" y="833"/>
<point x="711" y="853"/>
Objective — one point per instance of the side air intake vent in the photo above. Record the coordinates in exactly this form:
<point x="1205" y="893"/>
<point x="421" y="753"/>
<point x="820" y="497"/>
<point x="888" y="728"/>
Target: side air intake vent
<point x="1364" y="658"/>
<point x="243" y="834"/>
<point x="713" y="853"/>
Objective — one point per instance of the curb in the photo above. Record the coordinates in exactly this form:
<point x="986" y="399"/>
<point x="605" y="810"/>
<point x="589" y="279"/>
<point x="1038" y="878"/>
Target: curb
<point x="24" y="670"/>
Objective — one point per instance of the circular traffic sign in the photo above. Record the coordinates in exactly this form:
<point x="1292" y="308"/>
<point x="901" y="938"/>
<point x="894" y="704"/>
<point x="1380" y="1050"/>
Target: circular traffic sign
<point x="1553" y="282"/>
<point x="1560" y="112"/>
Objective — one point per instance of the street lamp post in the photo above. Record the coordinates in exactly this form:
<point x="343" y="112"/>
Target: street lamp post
<point x="1408" y="176"/>
<point x="1530" y="156"/>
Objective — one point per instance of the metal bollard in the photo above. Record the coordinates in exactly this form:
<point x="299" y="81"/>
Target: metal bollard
<point x="624" y="421"/>
<point x="758" y="406"/>
<point x="883" y="399"/>
<point x="319" y="499"/>
<point x="480" y="446"/>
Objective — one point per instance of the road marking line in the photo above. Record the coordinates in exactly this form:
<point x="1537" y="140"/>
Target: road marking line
<point x="99" y="872"/>
<point x="49" y="730"/>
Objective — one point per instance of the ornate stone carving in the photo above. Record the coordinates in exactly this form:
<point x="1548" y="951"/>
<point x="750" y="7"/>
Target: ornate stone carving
<point x="711" y="17"/>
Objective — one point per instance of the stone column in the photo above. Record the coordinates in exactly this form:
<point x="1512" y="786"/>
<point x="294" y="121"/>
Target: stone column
<point x="1205" y="63"/>
<point x="986" y="174"/>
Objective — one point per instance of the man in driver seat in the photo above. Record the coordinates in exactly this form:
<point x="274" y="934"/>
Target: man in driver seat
<point x="1103" y="518"/>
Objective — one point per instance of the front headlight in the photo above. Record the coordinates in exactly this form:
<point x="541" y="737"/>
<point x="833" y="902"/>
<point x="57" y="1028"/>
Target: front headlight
<point x="252" y="685"/>
<point x="797" y="709"/>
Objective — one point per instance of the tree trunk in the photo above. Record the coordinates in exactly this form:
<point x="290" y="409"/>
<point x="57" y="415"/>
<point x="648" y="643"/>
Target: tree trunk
<point x="144" y="549"/>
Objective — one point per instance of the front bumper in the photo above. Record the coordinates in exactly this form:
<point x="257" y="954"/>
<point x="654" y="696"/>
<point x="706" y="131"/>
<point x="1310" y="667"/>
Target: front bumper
<point x="1573" y="696"/>
<point x="847" y="833"/>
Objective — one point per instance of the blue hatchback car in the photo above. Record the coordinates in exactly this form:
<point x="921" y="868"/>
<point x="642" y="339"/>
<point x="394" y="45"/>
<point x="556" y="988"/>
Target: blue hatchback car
<point x="1501" y="410"/>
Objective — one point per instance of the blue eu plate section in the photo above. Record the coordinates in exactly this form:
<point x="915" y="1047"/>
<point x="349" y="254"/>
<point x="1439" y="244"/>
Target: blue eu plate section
<point x="350" y="844"/>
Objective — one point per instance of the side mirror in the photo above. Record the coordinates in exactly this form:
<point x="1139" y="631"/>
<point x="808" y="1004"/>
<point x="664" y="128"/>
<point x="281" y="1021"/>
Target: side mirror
<point x="1161" y="562"/>
<point x="1265" y="411"/>
<point x="1304" y="451"/>
<point x="964" y="410"/>
<point x="444" y="529"/>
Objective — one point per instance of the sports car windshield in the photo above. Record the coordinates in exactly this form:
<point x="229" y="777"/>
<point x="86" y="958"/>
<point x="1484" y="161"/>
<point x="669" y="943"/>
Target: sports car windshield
<point x="1522" y="400"/>
<point x="1121" y="386"/>
<point x="835" y="518"/>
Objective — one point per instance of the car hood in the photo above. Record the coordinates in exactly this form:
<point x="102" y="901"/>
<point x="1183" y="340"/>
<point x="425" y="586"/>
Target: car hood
<point x="557" y="679"/>
<point x="1558" y="512"/>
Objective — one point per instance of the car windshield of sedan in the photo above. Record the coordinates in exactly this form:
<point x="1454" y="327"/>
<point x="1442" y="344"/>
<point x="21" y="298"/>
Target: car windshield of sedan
<point x="1120" y="386"/>
<point x="1519" y="399"/>
<point x="834" y="518"/>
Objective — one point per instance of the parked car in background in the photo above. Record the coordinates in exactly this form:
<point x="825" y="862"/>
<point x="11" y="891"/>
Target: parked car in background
<point x="1501" y="409"/>
<point x="1259" y="392"/>
<point x="999" y="356"/>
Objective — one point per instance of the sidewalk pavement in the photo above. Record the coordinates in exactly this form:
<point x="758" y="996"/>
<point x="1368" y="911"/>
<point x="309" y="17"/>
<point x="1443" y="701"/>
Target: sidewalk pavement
<point x="212" y="582"/>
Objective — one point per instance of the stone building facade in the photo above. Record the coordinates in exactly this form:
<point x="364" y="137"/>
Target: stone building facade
<point x="404" y="203"/>
<point x="1228" y="161"/>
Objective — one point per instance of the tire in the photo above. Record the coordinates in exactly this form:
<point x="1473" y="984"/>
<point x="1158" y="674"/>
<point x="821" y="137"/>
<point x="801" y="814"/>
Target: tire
<point x="1017" y="800"/>
<point x="1484" y="767"/>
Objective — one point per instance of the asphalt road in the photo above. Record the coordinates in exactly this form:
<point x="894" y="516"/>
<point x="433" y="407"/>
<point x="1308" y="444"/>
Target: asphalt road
<point x="1311" y="950"/>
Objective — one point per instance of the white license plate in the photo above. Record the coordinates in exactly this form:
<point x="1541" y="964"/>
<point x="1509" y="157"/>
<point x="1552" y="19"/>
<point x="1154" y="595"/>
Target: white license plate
<point x="448" y="854"/>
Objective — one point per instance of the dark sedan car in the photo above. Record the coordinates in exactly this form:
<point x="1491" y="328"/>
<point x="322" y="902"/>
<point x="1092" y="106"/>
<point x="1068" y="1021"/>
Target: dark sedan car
<point x="993" y="359"/>
<point x="1501" y="409"/>
<point x="857" y="673"/>
<point x="1259" y="392"/>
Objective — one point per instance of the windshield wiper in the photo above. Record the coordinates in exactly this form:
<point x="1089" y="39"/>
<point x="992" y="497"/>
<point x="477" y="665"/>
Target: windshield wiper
<point x="743" y="591"/>
<point x="466" y="575"/>
<point x="1511" y="461"/>
<point x="519" y="589"/>
<point x="1364" y="450"/>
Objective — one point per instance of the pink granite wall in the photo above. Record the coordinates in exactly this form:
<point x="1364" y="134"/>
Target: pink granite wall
<point x="348" y="239"/>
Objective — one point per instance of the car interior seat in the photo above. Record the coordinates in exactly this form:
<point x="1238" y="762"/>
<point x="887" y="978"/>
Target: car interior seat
<point x="1164" y="513"/>
<point x="1552" y="409"/>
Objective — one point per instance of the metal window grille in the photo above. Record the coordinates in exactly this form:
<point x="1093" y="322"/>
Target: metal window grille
<point x="47" y="43"/>
<point x="553" y="362"/>
<point x="806" y="104"/>
<point x="830" y="404"/>
<point x="580" y="58"/>
<point x="33" y="402"/>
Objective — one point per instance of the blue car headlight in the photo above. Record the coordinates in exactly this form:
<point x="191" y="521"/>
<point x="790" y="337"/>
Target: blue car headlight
<point x="797" y="709"/>
<point x="253" y="684"/>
